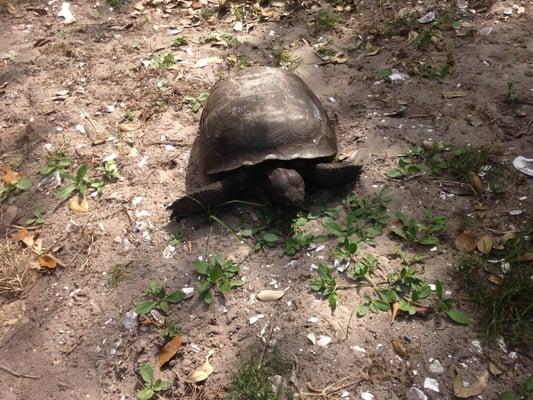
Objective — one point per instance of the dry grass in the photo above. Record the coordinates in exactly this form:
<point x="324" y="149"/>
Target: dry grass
<point x="15" y="273"/>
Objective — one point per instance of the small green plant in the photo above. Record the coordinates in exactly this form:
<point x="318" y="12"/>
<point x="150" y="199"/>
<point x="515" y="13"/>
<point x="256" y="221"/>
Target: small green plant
<point x="345" y="249"/>
<point x="240" y="61"/>
<point x="196" y="103"/>
<point x="401" y="25"/>
<point x="431" y="72"/>
<point x="283" y="58"/>
<point x="326" y="51"/>
<point x="217" y="275"/>
<point x="79" y="183"/>
<point x="170" y="331"/>
<point x="176" y="236"/>
<point x="510" y="93"/>
<point x="426" y="37"/>
<point x="527" y="391"/>
<point x="116" y="4"/>
<point x="179" y="41"/>
<point x="252" y="379"/>
<point x="208" y="12"/>
<point x="413" y="231"/>
<point x="445" y="305"/>
<point x="221" y="39"/>
<point x="9" y="190"/>
<point x="151" y="388"/>
<point x="37" y="218"/>
<point x="325" y="21"/>
<point x="168" y="61"/>
<point x="326" y="285"/>
<point x="366" y="266"/>
<point x="160" y="300"/>
<point x="117" y="275"/>
<point x="109" y="170"/>
<point x="298" y="238"/>
<point x="384" y="73"/>
<point x="56" y="161"/>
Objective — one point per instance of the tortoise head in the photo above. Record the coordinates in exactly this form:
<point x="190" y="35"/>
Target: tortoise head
<point x="287" y="187"/>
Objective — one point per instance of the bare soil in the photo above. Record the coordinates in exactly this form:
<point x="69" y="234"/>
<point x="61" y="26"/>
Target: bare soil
<point x="66" y="331"/>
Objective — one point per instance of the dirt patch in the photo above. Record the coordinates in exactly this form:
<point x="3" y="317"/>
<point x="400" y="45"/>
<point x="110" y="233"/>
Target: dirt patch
<point x="116" y="86"/>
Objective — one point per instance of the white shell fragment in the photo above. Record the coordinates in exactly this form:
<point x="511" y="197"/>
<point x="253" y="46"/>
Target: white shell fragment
<point x="524" y="165"/>
<point x="431" y="384"/>
<point x="430" y="16"/>
<point x="367" y="396"/>
<point x="65" y="13"/>
<point x="312" y="338"/>
<point x="323" y="341"/>
<point x="188" y="291"/>
<point x="435" y="367"/>
<point x="270" y="295"/>
<point x="255" y="318"/>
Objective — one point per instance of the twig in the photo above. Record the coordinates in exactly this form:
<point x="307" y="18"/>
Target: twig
<point x="348" y="325"/>
<point x="265" y="347"/>
<point x="18" y="374"/>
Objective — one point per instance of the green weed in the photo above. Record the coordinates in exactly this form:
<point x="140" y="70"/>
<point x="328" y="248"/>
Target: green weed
<point x="402" y="25"/>
<point x="116" y="4"/>
<point x="326" y="285"/>
<point x="196" y="103"/>
<point x="433" y="73"/>
<point x="179" y="41"/>
<point x="168" y="61"/>
<point x="170" y="331"/>
<point x="117" y="275"/>
<point x="283" y="58"/>
<point x="527" y="391"/>
<point x="217" y="275"/>
<point x="325" y="21"/>
<point x="56" y="161"/>
<point x="36" y="219"/>
<point x="424" y="233"/>
<point x="151" y="387"/>
<point x="9" y="190"/>
<point x="160" y="300"/>
<point x="224" y="39"/>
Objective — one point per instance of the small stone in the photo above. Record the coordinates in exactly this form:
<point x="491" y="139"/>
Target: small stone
<point x="435" y="366"/>
<point x="431" y="384"/>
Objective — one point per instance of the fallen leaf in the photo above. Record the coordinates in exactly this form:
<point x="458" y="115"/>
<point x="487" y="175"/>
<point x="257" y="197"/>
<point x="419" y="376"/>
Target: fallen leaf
<point x="395" y="308"/>
<point x="339" y="58"/>
<point x="129" y="127"/>
<point x="78" y="204"/>
<point x="495" y="279"/>
<point x="169" y="350"/>
<point x="270" y="295"/>
<point x="10" y="177"/>
<point x="495" y="368"/>
<point x="202" y="373"/>
<point x="466" y="242"/>
<point x="47" y="261"/>
<point x="203" y="62"/>
<point x="473" y="390"/>
<point x="476" y="183"/>
<point x="399" y="348"/>
<point x="484" y="244"/>
<point x="507" y="236"/>
<point x="22" y="235"/>
<point x="10" y="215"/>
<point x="452" y="94"/>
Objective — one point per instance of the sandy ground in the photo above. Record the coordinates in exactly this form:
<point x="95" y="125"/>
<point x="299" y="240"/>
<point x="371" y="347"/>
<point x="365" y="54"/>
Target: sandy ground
<point x="66" y="331"/>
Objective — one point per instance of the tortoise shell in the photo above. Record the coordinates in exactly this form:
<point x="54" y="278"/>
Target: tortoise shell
<point x="260" y="114"/>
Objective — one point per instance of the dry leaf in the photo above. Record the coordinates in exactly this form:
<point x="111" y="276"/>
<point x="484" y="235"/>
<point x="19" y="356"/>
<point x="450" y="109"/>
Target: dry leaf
<point x="466" y="242"/>
<point x="203" y="62"/>
<point x="270" y="295"/>
<point x="399" y="348"/>
<point x="507" y="236"/>
<point x="485" y="244"/>
<point x="10" y="177"/>
<point x="395" y="308"/>
<point x="47" y="261"/>
<point x="129" y="127"/>
<point x="21" y="235"/>
<point x="339" y="58"/>
<point x="202" y="373"/>
<point x="473" y="390"/>
<point x="452" y="94"/>
<point x="495" y="369"/>
<point x="78" y="204"/>
<point x="169" y="350"/>
<point x="476" y="183"/>
<point x="10" y="215"/>
<point x="496" y="279"/>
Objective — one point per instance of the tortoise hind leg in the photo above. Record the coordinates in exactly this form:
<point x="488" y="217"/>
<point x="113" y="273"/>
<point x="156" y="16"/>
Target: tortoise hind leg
<point x="333" y="174"/>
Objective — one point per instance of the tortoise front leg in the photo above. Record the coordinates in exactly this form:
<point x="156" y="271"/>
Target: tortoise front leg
<point x="333" y="174"/>
<point x="210" y="196"/>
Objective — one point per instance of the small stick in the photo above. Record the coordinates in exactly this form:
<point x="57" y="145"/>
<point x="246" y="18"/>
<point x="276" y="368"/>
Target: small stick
<point x="17" y="374"/>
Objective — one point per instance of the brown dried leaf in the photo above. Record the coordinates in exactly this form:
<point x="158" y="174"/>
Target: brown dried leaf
<point x="21" y="235"/>
<point x="270" y="295"/>
<point x="202" y="373"/>
<point x="466" y="242"/>
<point x="508" y="236"/>
<point x="399" y="348"/>
<point x="129" y="127"/>
<point x="495" y="369"/>
<point x="484" y="244"/>
<point x="47" y="261"/>
<point x="452" y="94"/>
<point x="473" y="390"/>
<point x="395" y="308"/>
<point x="10" y="177"/>
<point x="476" y="183"/>
<point x="495" y="279"/>
<point x="79" y="204"/>
<point x="169" y="350"/>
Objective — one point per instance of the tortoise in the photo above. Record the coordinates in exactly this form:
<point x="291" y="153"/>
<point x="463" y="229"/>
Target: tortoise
<point x="264" y="128"/>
